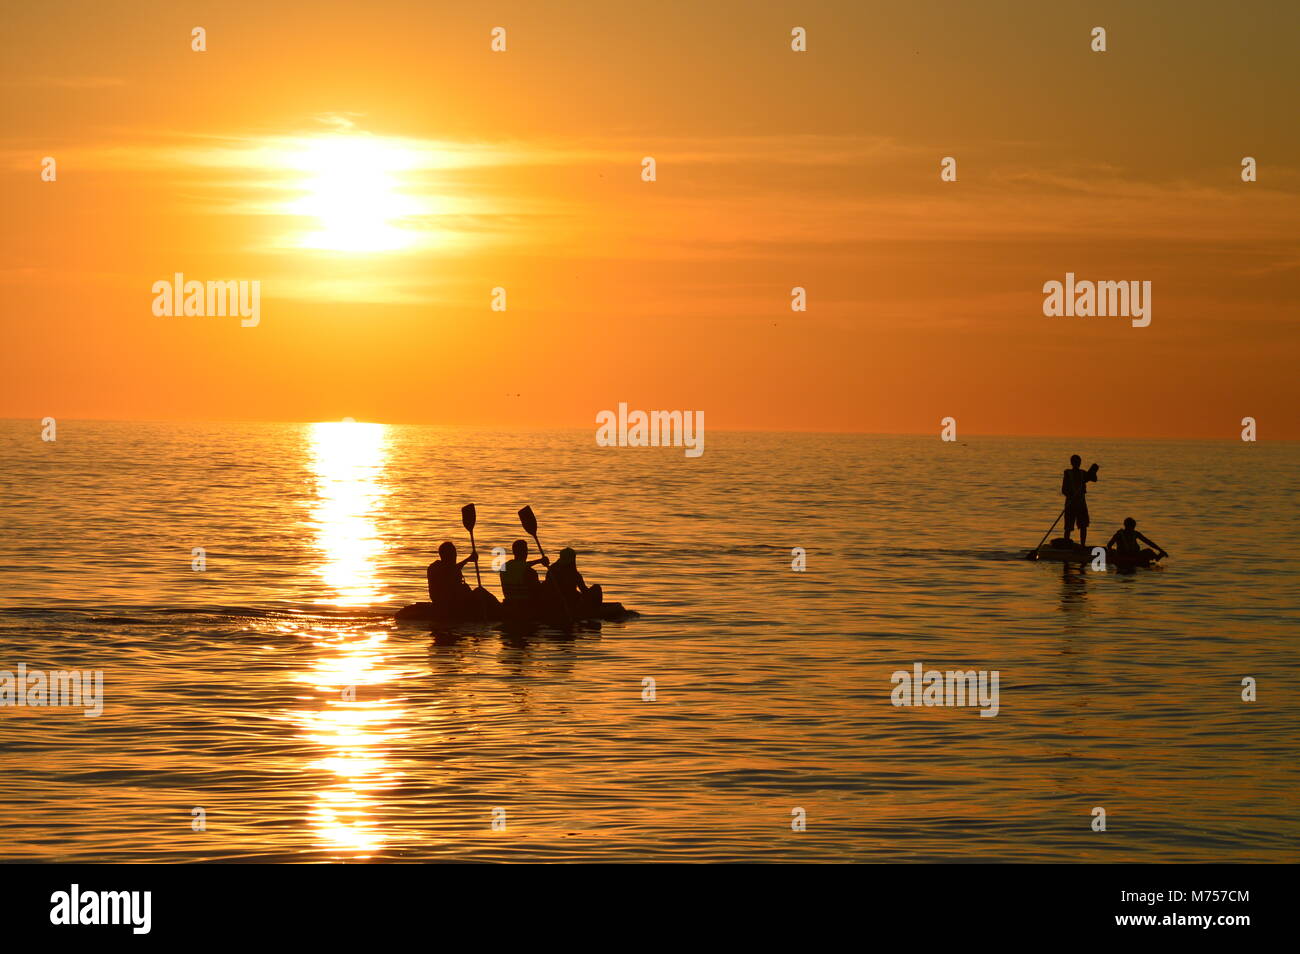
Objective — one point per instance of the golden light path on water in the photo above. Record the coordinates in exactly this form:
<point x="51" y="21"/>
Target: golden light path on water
<point x="354" y="709"/>
<point x="348" y="460"/>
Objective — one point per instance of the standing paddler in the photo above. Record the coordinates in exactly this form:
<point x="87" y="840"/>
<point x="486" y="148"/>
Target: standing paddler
<point x="1074" y="487"/>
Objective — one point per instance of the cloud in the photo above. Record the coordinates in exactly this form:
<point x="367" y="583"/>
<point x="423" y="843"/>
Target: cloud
<point x="812" y="199"/>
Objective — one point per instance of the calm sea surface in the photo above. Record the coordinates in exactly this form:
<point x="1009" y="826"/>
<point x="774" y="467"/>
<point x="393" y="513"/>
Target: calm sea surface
<point x="273" y="692"/>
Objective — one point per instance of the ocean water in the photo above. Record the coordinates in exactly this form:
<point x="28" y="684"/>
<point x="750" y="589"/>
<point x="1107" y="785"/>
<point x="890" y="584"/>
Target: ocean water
<point x="267" y="708"/>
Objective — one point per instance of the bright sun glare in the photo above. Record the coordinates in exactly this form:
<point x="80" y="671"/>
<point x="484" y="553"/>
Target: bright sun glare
<point x="355" y="192"/>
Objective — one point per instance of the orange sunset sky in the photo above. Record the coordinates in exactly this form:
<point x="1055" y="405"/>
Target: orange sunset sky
<point x="379" y="169"/>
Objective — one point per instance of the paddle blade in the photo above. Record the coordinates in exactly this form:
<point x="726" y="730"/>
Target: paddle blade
<point x="529" y="521"/>
<point x="468" y="517"/>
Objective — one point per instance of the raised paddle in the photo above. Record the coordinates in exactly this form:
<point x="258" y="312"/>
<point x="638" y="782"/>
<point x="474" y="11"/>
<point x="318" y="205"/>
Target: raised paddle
<point x="469" y="517"/>
<point x="529" y="521"/>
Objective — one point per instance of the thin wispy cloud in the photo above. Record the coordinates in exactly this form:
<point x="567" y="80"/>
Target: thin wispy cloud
<point x="331" y="186"/>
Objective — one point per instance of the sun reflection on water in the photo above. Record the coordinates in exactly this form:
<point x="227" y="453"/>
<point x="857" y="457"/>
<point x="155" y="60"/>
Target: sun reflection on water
<point x="348" y="460"/>
<point x="355" y="704"/>
<point x="354" y="726"/>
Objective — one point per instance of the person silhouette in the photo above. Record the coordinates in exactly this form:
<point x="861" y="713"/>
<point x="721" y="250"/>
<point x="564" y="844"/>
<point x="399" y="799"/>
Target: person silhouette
<point x="518" y="579"/>
<point x="1128" y="542"/>
<point x="1074" y="487"/>
<point x="572" y="590"/>
<point x="447" y="587"/>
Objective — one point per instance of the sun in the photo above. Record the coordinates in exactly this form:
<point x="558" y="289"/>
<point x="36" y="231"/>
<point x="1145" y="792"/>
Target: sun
<point x="354" y="190"/>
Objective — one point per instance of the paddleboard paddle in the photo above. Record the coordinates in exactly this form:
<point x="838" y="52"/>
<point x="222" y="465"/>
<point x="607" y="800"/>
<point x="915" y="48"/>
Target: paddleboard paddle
<point x="1033" y="554"/>
<point x="529" y="522"/>
<point x="469" y="517"/>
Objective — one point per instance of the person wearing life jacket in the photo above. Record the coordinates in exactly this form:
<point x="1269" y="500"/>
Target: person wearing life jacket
<point x="1128" y="543"/>
<point x="518" y="578"/>
<point x="1074" y="488"/>
<point x="569" y="586"/>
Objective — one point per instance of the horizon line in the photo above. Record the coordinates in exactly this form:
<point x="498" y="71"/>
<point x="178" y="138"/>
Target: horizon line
<point x="721" y="430"/>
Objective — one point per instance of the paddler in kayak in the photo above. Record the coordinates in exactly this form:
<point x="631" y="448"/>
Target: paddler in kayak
<point x="1127" y="544"/>
<point x="447" y="587"/>
<point x="571" y="589"/>
<point x="1074" y="488"/>
<point x="519" y="582"/>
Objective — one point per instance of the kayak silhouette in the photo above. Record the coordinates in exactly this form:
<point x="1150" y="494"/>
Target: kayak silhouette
<point x="561" y="600"/>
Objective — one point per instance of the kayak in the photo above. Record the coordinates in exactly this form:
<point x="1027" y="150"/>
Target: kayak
<point x="508" y="614"/>
<point x="1063" y="551"/>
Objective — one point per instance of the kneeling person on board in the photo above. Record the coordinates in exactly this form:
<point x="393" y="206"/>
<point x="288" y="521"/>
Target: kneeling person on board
<point x="1126" y="543"/>
<point x="1074" y="488"/>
